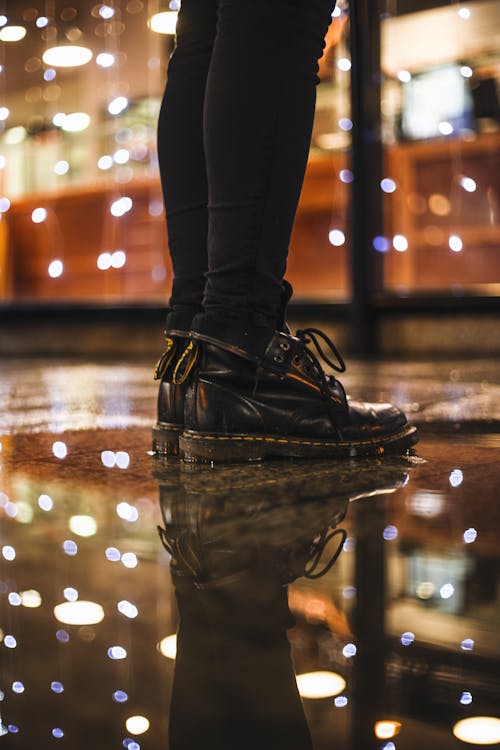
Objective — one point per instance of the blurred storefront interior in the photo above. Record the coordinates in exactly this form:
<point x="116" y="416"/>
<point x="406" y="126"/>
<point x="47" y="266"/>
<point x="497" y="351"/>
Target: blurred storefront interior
<point x="82" y="225"/>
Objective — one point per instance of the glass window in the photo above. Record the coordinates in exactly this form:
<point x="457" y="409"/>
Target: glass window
<point x="441" y="129"/>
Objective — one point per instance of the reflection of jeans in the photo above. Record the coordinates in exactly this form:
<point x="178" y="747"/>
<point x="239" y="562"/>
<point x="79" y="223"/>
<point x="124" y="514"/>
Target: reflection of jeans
<point x="234" y="685"/>
<point x="234" y="134"/>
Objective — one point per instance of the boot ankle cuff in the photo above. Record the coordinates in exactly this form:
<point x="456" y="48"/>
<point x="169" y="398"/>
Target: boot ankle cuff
<point x="241" y="338"/>
<point x="277" y="356"/>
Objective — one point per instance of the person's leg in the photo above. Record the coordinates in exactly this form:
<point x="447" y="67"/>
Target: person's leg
<point x="183" y="174"/>
<point x="259" y="108"/>
<point x="255" y="392"/>
<point x="184" y="183"/>
<point x="182" y="158"/>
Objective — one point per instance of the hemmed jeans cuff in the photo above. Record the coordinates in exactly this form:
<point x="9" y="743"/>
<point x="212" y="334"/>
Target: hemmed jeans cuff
<point x="179" y="319"/>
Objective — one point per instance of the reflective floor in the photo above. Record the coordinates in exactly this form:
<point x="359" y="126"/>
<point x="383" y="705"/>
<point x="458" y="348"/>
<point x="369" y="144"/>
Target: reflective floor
<point x="283" y="604"/>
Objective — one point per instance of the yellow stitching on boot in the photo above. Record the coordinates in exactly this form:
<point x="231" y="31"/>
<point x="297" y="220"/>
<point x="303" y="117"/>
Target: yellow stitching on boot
<point x="256" y="439"/>
<point x="191" y="354"/>
<point x="165" y="359"/>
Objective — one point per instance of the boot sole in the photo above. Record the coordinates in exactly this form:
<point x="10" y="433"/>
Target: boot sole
<point x="205" y="448"/>
<point x="166" y="439"/>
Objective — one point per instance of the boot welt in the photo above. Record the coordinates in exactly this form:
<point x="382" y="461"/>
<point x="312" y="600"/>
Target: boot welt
<point x="166" y="439"/>
<point x="206" y="447"/>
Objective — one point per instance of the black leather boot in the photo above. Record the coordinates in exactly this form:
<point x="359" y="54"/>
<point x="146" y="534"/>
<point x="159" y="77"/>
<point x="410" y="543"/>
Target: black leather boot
<point x="170" y="421"/>
<point x="240" y="407"/>
<point x="173" y="371"/>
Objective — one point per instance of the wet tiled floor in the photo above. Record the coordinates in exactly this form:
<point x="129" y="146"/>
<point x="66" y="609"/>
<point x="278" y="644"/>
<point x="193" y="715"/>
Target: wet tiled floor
<point x="401" y="628"/>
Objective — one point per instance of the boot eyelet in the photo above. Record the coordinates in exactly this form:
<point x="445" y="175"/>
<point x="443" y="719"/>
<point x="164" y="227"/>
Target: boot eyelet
<point x="279" y="359"/>
<point x="285" y="345"/>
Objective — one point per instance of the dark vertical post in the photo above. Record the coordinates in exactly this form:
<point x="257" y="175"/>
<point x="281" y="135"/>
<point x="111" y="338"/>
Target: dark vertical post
<point x="366" y="199"/>
<point x="369" y="623"/>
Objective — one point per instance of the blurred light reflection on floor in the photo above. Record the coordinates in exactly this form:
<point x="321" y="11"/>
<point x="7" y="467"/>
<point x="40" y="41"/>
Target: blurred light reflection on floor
<point x="398" y="640"/>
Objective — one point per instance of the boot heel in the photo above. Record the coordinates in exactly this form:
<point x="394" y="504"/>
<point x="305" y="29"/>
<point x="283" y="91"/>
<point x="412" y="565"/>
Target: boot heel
<point x="166" y="440"/>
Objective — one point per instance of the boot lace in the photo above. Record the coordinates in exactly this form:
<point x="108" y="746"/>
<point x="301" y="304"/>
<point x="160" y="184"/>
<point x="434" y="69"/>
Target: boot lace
<point x="176" y="549"/>
<point x="182" y="552"/>
<point x="317" y="550"/>
<point x="311" y="336"/>
<point x="311" y="360"/>
<point x="166" y="359"/>
<point x="186" y="363"/>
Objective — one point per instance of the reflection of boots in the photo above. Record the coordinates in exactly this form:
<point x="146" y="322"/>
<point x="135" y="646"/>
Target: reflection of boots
<point x="219" y="520"/>
<point x="234" y="545"/>
<point x="237" y="535"/>
<point x="240" y="406"/>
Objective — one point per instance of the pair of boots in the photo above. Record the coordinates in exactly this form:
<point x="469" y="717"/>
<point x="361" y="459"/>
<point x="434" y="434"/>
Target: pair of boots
<point x="220" y="401"/>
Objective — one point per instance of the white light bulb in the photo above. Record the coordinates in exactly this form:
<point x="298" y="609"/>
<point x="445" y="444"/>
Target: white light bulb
<point x="468" y="184"/>
<point x="76" y="122"/>
<point x="38" y="215"/>
<point x="67" y="56"/>
<point x="336" y="237"/>
<point x="344" y="64"/>
<point x="105" y="162"/>
<point x="478" y="730"/>
<point x="105" y="59"/>
<point x="117" y="105"/>
<point x="121" y="156"/>
<point x="137" y="724"/>
<point x="445" y="128"/>
<point x="61" y="167"/>
<point x="79" y="613"/>
<point x="164" y="22"/>
<point x="60" y="449"/>
<point x="320" y="684"/>
<point x="83" y="525"/>
<point x="12" y="33"/>
<point x="168" y="646"/>
<point x="388" y="185"/>
<point x="59" y="119"/>
<point x="400" y="243"/>
<point x="55" y="269"/>
<point x="121" y="206"/>
<point x="404" y="76"/>
<point x="129" y="560"/>
<point x="455" y="243"/>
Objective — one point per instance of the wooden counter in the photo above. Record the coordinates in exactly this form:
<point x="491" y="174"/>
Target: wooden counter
<point x="428" y="206"/>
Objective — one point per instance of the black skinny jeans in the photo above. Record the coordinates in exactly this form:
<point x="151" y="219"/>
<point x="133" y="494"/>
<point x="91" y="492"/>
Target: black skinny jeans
<point x="233" y="139"/>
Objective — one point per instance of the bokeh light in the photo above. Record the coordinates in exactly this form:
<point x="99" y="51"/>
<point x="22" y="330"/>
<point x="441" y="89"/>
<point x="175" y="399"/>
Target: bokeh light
<point x="321" y="684"/>
<point x="79" y="613"/>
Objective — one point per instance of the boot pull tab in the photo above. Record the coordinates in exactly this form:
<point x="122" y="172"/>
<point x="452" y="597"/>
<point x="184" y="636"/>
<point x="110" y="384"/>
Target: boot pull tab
<point x="165" y="359"/>
<point x="186" y="363"/>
